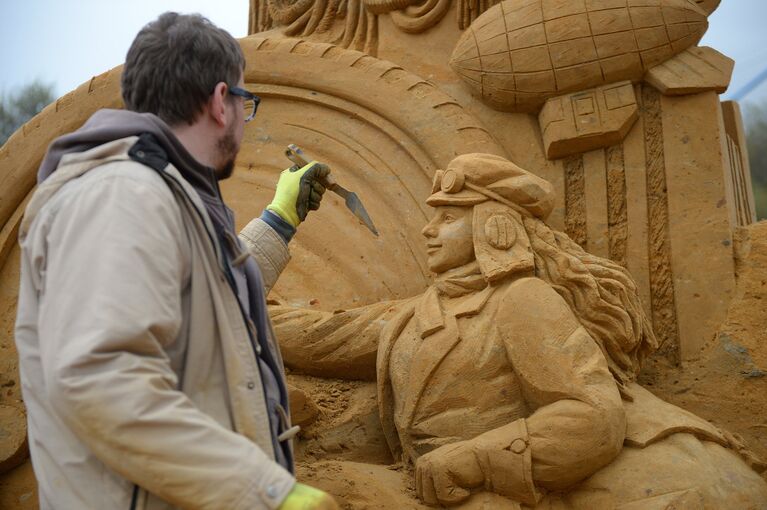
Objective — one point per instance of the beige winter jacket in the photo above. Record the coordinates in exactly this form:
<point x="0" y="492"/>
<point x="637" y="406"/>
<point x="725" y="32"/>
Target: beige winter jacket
<point x="136" y="362"/>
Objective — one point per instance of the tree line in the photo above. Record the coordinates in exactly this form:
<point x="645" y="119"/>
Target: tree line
<point x="18" y="107"/>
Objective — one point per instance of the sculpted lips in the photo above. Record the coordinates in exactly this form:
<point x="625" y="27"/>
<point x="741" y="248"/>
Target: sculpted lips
<point x="432" y="248"/>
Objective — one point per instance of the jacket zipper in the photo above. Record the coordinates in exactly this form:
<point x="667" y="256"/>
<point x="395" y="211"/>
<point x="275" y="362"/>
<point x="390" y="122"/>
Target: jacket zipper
<point x="223" y="266"/>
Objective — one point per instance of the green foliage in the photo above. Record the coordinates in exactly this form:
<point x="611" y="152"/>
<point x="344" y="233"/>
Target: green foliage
<point x="19" y="107"/>
<point x="760" y="200"/>
<point x="756" y="138"/>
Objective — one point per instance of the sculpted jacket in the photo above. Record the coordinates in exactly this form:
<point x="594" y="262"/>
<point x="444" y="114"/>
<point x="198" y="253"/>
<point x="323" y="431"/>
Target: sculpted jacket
<point x="136" y="362"/>
<point x="509" y="359"/>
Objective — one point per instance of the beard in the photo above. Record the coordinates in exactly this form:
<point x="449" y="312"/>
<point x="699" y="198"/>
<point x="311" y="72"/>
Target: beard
<point x="228" y="148"/>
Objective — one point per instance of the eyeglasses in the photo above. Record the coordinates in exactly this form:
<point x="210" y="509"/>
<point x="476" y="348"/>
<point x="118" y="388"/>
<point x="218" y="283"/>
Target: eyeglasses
<point x="251" y="101"/>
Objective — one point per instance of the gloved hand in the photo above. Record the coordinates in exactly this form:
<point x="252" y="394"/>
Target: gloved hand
<point x="304" y="497"/>
<point x="299" y="191"/>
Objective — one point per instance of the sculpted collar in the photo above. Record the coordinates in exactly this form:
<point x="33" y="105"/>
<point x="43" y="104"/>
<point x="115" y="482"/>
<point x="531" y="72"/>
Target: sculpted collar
<point x="455" y="283"/>
<point x="461" y="280"/>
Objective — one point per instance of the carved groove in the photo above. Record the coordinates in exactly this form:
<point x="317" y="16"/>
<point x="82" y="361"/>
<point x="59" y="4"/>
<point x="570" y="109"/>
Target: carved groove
<point x="741" y="194"/>
<point x="301" y="48"/>
<point x="617" y="211"/>
<point x="469" y="10"/>
<point x="661" y="278"/>
<point x="575" y="200"/>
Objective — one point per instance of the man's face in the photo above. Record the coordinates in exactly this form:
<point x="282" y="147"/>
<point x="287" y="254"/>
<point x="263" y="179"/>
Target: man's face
<point x="449" y="241"/>
<point x="229" y="144"/>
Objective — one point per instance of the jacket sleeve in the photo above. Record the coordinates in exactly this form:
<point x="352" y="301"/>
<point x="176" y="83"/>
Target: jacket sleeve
<point x="268" y="248"/>
<point x="341" y="344"/>
<point x="110" y="304"/>
<point x="577" y="423"/>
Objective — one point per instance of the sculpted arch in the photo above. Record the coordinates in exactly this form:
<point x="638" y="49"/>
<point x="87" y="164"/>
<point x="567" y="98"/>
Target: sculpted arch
<point x="367" y="86"/>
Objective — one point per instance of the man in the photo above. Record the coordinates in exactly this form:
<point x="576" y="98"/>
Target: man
<point x="509" y="383"/>
<point x="148" y="362"/>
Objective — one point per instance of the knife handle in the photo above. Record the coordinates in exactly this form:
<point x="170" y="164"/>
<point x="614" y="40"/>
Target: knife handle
<point x="296" y="155"/>
<point x="329" y="182"/>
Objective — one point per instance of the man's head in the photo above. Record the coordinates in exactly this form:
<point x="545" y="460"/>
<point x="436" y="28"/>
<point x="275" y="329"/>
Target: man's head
<point x="181" y="68"/>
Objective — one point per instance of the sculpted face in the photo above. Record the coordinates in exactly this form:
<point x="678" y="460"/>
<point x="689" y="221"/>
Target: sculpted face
<point x="449" y="241"/>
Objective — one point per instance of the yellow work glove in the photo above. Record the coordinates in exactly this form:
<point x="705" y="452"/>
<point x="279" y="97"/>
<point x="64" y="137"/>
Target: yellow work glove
<point x="299" y="191"/>
<point x="304" y="497"/>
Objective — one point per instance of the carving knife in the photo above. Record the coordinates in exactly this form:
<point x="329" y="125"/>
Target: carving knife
<point x="353" y="202"/>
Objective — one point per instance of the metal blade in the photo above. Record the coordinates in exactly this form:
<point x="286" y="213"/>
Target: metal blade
<point x="297" y="156"/>
<point x="355" y="206"/>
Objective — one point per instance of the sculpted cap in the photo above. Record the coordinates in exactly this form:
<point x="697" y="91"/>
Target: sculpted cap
<point x="472" y="179"/>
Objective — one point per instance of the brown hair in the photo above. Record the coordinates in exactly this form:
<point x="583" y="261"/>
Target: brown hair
<point x="175" y="63"/>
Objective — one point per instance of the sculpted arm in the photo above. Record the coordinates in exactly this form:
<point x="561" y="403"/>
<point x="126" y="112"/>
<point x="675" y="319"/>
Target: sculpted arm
<point x="342" y="344"/>
<point x="576" y="423"/>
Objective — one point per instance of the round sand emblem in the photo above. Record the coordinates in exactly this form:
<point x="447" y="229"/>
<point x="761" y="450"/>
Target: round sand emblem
<point x="500" y="231"/>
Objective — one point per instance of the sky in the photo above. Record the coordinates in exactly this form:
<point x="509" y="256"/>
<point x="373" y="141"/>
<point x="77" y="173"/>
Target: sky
<point x="66" y="42"/>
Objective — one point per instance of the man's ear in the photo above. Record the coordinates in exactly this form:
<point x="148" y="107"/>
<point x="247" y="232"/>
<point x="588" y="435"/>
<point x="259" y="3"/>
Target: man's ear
<point x="217" y="104"/>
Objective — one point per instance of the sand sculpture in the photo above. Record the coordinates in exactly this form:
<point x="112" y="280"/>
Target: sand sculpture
<point x="511" y="379"/>
<point x="545" y="57"/>
<point x="628" y="122"/>
<point x="648" y="167"/>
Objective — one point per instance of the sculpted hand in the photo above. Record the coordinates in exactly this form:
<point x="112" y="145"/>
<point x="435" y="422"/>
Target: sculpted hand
<point x="446" y="475"/>
<point x="299" y="191"/>
<point x="499" y="461"/>
<point x="304" y="497"/>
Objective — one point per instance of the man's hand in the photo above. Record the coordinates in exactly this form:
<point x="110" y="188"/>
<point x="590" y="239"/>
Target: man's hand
<point x="446" y="475"/>
<point x="304" y="497"/>
<point x="299" y="191"/>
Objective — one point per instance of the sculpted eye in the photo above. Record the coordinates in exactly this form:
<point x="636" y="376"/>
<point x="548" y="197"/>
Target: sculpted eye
<point x="449" y="218"/>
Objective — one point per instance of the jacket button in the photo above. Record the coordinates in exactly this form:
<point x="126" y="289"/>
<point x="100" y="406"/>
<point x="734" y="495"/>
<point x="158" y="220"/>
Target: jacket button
<point x="251" y="385"/>
<point x="518" y="445"/>
<point x="272" y="492"/>
<point x="140" y="154"/>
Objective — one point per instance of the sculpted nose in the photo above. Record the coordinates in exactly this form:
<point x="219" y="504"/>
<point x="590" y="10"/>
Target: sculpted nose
<point x="429" y="230"/>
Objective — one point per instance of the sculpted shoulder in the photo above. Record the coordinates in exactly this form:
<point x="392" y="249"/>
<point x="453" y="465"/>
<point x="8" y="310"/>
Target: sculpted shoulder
<point x="531" y="305"/>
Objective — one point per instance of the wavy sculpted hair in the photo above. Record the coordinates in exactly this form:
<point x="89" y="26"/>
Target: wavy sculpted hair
<point x="602" y="295"/>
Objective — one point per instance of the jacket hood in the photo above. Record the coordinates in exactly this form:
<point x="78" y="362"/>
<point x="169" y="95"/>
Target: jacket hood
<point x="105" y="126"/>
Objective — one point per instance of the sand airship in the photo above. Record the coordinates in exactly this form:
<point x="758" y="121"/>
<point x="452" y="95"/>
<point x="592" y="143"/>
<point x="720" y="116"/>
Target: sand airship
<point x="575" y="62"/>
